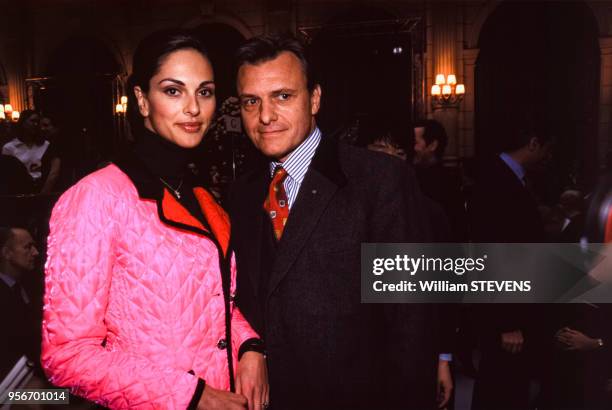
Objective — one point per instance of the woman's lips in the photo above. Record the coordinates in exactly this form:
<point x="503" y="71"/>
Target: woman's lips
<point x="190" y="127"/>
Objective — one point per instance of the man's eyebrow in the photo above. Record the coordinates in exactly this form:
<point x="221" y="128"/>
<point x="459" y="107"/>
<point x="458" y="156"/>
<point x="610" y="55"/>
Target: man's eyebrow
<point x="247" y="96"/>
<point x="282" y="91"/>
<point x="179" y="82"/>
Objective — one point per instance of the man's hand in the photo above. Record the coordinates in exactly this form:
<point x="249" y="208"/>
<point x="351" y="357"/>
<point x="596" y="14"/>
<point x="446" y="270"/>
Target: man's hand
<point x="213" y="399"/>
<point x="512" y="342"/>
<point x="445" y="383"/>
<point x="575" y="340"/>
<point x="252" y="380"/>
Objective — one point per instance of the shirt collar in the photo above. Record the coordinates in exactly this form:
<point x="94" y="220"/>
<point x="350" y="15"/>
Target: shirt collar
<point x="517" y="168"/>
<point x="9" y="280"/>
<point x="298" y="161"/>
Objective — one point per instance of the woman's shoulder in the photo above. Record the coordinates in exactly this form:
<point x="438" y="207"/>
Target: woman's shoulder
<point x="109" y="180"/>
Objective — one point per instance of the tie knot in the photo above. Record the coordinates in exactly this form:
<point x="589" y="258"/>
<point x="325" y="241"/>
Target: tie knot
<point x="279" y="174"/>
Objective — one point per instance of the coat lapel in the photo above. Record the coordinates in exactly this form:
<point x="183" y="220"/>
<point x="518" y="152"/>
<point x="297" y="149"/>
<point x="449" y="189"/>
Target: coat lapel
<point x="322" y="180"/>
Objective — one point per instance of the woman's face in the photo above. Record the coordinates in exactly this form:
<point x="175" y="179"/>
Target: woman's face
<point x="31" y="126"/>
<point x="180" y="103"/>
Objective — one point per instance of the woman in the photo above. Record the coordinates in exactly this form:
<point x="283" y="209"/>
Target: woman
<point x="36" y="153"/>
<point x="140" y="280"/>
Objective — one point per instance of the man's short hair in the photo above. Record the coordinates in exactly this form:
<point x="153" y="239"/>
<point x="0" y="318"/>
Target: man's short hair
<point x="515" y="136"/>
<point x="6" y="236"/>
<point x="434" y="131"/>
<point x="267" y="47"/>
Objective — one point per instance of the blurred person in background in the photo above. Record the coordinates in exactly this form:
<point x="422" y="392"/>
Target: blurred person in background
<point x="52" y="167"/>
<point x="36" y="153"/>
<point x="20" y="329"/>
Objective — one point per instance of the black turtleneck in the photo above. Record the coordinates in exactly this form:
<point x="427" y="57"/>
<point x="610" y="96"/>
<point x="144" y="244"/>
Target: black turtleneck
<point x="168" y="161"/>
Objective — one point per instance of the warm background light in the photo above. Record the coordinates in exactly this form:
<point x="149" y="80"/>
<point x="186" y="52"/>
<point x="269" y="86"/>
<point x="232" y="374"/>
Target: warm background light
<point x="440" y="79"/>
<point x="451" y="79"/>
<point x="123" y="99"/>
<point x="119" y="108"/>
<point x="15" y="115"/>
<point x="2" y="108"/>
<point x="446" y="90"/>
<point x="460" y="89"/>
<point x="2" y="116"/>
<point x="435" y="89"/>
<point x="8" y="108"/>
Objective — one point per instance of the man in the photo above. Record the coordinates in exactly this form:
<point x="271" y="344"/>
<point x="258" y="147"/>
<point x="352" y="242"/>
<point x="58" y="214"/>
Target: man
<point x="18" y="255"/>
<point x="503" y="210"/>
<point x="297" y="233"/>
<point x="435" y="180"/>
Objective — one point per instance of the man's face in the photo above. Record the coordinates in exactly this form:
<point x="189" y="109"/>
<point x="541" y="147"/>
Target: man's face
<point x="423" y="153"/>
<point x="20" y="251"/>
<point x="539" y="154"/>
<point x="277" y="108"/>
<point x="46" y="127"/>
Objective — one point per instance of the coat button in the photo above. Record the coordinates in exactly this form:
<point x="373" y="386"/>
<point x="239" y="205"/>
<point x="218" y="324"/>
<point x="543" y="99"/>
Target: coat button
<point x="222" y="344"/>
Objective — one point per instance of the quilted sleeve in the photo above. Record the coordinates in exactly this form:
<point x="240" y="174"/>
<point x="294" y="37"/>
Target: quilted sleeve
<point x="78" y="274"/>
<point x="241" y="330"/>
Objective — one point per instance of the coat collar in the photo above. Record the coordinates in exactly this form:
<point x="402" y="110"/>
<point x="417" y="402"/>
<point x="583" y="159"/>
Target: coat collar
<point x="170" y="210"/>
<point x="326" y="161"/>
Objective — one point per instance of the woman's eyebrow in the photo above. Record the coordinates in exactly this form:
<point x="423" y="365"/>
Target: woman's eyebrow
<point x="179" y="82"/>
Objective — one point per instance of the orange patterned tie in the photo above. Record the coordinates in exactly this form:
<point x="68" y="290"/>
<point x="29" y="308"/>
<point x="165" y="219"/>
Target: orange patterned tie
<point x="276" y="204"/>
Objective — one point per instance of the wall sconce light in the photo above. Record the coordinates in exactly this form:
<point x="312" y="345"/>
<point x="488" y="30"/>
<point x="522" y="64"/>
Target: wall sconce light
<point x="7" y="113"/>
<point x="446" y="92"/>
<point x="121" y="107"/>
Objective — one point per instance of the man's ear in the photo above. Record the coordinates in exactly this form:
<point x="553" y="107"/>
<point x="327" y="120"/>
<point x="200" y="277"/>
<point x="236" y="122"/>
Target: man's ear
<point x="534" y="144"/>
<point x="143" y="103"/>
<point x="315" y="100"/>
<point x="6" y="252"/>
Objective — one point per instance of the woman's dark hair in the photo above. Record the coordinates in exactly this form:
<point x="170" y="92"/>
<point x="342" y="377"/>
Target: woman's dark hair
<point x="377" y="128"/>
<point x="148" y="58"/>
<point x="23" y="117"/>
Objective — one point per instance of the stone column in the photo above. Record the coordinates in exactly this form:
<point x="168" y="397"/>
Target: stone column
<point x="468" y="106"/>
<point x="16" y="74"/>
<point x="604" y="140"/>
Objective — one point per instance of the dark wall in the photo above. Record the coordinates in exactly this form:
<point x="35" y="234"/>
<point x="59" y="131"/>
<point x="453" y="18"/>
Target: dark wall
<point x="541" y="60"/>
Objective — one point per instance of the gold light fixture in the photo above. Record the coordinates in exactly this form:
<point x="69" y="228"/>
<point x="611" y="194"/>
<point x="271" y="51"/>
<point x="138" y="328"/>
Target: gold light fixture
<point x="446" y="92"/>
<point x="7" y="113"/>
<point x="121" y="107"/>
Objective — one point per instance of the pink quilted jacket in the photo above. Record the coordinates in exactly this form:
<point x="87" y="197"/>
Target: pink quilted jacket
<point x="134" y="308"/>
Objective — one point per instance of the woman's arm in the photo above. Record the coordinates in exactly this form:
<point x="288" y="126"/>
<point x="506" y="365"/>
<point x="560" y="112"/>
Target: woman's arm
<point x="78" y="276"/>
<point x="54" y="171"/>
<point x="251" y="369"/>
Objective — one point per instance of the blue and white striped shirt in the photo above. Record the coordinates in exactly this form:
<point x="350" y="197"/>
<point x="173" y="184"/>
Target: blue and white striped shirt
<point x="297" y="164"/>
